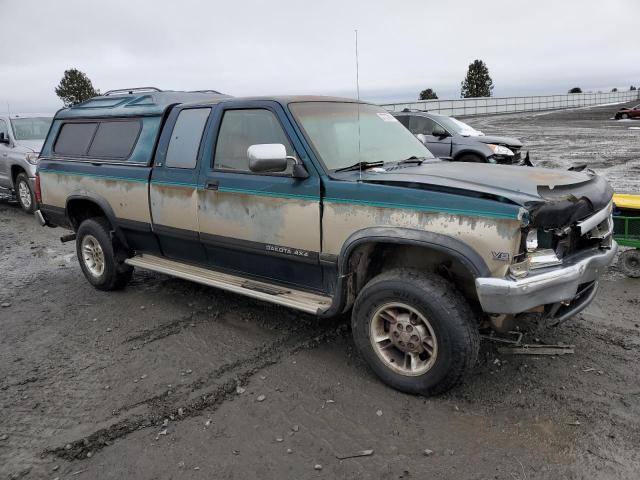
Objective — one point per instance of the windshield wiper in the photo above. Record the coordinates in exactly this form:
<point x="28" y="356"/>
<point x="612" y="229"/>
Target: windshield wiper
<point x="359" y="166"/>
<point x="412" y="159"/>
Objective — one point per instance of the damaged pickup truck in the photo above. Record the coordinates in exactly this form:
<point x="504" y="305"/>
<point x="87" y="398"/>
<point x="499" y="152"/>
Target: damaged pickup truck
<point x="327" y="206"/>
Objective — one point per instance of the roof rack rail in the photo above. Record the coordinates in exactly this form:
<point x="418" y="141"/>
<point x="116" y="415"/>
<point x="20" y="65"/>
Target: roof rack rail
<point x="131" y="90"/>
<point x="206" y="91"/>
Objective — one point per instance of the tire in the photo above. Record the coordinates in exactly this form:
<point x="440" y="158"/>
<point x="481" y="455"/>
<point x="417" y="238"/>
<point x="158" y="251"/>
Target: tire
<point x="450" y="333"/>
<point x="24" y="194"/>
<point x="629" y="263"/>
<point x="624" y="116"/>
<point x="98" y="257"/>
<point x="471" y="158"/>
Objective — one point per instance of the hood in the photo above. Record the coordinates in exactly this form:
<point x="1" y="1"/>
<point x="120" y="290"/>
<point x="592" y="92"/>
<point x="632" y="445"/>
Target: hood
<point x="33" y="145"/>
<point x="537" y="189"/>
<point x="508" y="141"/>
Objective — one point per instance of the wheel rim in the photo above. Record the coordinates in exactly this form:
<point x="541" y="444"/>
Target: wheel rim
<point x="92" y="255"/>
<point x="403" y="339"/>
<point x="24" y="193"/>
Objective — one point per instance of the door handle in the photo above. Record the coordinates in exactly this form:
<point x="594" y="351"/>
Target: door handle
<point x="212" y="185"/>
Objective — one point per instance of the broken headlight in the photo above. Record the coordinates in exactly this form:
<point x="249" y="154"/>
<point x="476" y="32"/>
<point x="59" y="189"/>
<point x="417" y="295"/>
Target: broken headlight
<point x="499" y="149"/>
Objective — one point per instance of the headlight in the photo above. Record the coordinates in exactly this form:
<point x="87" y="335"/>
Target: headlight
<point x="32" y="157"/>
<point x="532" y="240"/>
<point x="499" y="149"/>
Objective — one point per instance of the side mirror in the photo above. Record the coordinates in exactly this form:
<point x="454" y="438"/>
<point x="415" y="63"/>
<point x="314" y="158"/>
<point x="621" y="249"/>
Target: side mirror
<point x="438" y="131"/>
<point x="267" y="157"/>
<point x="4" y="138"/>
<point x="421" y="137"/>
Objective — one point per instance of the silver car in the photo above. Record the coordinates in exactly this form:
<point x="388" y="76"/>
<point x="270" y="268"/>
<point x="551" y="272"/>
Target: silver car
<point x="21" y="138"/>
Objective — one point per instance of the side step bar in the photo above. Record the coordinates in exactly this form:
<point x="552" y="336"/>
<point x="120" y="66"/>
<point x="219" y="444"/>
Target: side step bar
<point x="297" y="299"/>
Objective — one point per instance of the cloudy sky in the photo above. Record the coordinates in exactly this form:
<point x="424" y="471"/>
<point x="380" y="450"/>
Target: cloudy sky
<point x="248" y="47"/>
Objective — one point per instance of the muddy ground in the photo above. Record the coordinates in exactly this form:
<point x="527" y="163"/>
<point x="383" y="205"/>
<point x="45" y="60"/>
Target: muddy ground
<point x="168" y="379"/>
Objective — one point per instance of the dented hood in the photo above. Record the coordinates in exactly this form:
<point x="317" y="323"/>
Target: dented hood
<point x="529" y="187"/>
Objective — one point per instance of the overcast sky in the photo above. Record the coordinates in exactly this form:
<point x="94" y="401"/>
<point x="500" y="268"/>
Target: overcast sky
<point x="249" y="47"/>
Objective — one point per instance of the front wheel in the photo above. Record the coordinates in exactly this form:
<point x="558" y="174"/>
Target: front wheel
<point x="624" y="116"/>
<point x="25" y="196"/>
<point x="98" y="257"/>
<point x="416" y="331"/>
<point x="471" y="158"/>
<point x="629" y="263"/>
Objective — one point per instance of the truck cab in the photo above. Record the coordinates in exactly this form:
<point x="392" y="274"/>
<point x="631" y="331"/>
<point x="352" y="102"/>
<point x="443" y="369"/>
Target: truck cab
<point x="325" y="205"/>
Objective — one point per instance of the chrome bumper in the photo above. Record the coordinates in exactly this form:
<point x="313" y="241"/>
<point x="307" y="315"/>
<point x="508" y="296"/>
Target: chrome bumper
<point x="548" y="286"/>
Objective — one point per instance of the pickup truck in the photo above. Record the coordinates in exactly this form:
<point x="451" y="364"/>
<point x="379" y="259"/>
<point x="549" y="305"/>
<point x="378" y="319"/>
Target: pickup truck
<point x="328" y="206"/>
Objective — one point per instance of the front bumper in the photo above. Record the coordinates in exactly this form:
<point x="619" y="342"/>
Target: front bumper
<point x="549" y="286"/>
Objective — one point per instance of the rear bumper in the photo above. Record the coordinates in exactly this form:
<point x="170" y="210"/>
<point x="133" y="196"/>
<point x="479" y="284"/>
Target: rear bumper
<point x="549" y="286"/>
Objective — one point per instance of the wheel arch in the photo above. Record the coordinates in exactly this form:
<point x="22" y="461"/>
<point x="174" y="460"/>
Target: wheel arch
<point x="469" y="151"/>
<point x="16" y="170"/>
<point x="82" y="205"/>
<point x="369" y="249"/>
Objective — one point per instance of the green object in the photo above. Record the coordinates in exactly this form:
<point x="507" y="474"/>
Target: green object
<point x="626" y="231"/>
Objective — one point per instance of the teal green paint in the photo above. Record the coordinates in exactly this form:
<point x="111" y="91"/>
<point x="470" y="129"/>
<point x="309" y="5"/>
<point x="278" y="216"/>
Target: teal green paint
<point x="260" y="193"/>
<point x="105" y="177"/>
<point x="421" y="208"/>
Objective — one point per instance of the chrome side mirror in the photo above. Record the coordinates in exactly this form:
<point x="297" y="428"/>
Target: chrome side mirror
<point x="267" y="157"/>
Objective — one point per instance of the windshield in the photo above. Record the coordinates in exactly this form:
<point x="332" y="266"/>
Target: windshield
<point x="33" y="128"/>
<point x="340" y="140"/>
<point x="454" y="125"/>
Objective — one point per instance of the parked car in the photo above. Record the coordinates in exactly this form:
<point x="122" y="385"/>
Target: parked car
<point x="21" y="138"/>
<point x="448" y="137"/>
<point x="628" y="112"/>
<point x="324" y="205"/>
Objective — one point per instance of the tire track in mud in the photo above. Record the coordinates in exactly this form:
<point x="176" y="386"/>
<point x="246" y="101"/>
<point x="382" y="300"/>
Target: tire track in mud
<point x="195" y="397"/>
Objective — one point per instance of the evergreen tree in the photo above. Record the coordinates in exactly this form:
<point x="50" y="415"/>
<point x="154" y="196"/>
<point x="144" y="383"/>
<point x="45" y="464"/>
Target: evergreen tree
<point x="477" y="83"/>
<point x="75" y="87"/>
<point x="428" y="94"/>
<point x="575" y="90"/>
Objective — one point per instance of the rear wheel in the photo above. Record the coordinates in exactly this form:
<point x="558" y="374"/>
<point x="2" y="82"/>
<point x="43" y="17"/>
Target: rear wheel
<point x="98" y="256"/>
<point x="415" y="331"/>
<point x="24" y="194"/>
<point x="629" y="263"/>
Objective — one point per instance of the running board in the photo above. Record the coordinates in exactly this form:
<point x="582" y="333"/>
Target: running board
<point x="298" y="299"/>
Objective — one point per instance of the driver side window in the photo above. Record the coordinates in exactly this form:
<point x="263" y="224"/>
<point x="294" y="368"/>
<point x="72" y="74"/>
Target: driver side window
<point x="242" y="128"/>
<point x="422" y="125"/>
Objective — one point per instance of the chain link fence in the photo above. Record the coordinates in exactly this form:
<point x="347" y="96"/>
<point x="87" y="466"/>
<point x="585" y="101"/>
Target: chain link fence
<point x="491" y="105"/>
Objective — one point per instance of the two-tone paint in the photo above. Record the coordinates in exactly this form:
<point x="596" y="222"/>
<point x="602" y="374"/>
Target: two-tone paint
<point x="287" y="230"/>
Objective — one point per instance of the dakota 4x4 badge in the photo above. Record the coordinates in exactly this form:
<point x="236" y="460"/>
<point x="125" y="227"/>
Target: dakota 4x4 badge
<point x="500" y="256"/>
<point x="287" y="251"/>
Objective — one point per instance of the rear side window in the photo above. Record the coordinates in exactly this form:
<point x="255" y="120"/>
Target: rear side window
<point x="107" y="139"/>
<point x="185" y="138"/>
<point x="114" y="139"/>
<point x="74" y="139"/>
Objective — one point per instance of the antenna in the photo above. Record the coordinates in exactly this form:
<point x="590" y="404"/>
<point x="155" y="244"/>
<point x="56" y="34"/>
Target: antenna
<point x="358" y="95"/>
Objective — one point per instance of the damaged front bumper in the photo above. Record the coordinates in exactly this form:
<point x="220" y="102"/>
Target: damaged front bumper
<point x="574" y="284"/>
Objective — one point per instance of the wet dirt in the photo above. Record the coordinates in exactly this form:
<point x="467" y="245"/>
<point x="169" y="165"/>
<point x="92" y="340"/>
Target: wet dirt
<point x="168" y="379"/>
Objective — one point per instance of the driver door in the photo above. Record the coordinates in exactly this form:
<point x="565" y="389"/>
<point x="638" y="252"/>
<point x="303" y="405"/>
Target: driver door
<point x="439" y="146"/>
<point x="265" y="225"/>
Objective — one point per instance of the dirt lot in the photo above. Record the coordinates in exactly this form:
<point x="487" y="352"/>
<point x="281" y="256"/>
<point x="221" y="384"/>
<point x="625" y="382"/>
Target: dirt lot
<point x="168" y="379"/>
